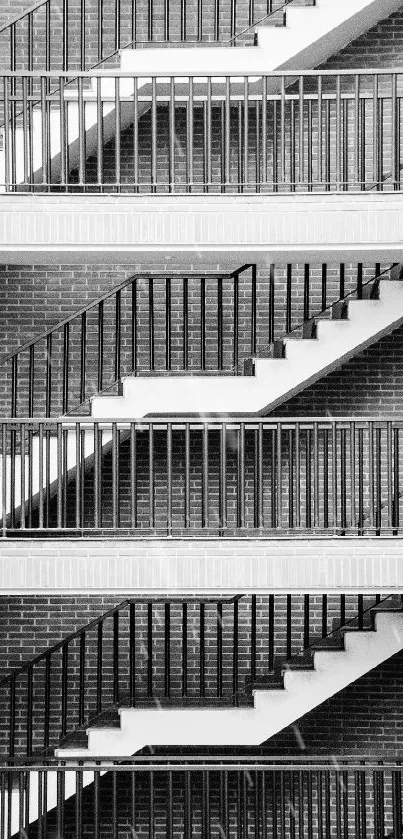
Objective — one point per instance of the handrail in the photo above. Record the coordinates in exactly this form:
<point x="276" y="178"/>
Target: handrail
<point x="105" y="615"/>
<point x="143" y="276"/>
<point x="224" y="763"/>
<point x="125" y="74"/>
<point x="261" y="20"/>
<point x="22" y="15"/>
<point x="305" y="422"/>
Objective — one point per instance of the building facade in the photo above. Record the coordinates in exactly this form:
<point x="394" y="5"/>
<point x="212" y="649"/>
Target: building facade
<point x="201" y="469"/>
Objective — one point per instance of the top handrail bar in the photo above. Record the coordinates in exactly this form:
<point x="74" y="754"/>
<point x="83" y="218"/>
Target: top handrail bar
<point x="107" y="294"/>
<point x="22" y="15"/>
<point x="222" y="763"/>
<point x="125" y="74"/>
<point x="196" y="419"/>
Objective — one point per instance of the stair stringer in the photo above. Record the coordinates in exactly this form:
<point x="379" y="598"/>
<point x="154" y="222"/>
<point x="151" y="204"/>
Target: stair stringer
<point x="272" y="711"/>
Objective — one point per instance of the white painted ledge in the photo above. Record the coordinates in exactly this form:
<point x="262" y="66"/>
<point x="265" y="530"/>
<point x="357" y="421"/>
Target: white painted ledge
<point x="197" y="566"/>
<point x="41" y="228"/>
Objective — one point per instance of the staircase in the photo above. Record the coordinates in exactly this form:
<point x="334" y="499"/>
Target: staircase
<point x="304" y="684"/>
<point x="313" y="33"/>
<point x="327" y="345"/>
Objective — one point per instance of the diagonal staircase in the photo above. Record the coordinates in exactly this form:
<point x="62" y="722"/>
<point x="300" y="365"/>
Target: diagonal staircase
<point x="305" y="683"/>
<point x="294" y="687"/>
<point x="327" y="345"/>
<point x="313" y="32"/>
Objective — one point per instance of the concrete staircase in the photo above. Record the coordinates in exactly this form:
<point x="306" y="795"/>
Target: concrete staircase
<point x="312" y="34"/>
<point x="328" y="344"/>
<point x="299" y="687"/>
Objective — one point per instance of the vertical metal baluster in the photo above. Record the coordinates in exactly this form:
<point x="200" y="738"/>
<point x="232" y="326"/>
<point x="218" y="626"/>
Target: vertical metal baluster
<point x="168" y="320"/>
<point x="324" y="286"/>
<point x="353" y="511"/>
<point x="279" y="478"/>
<point x="357" y="130"/>
<point x="65" y="682"/>
<point x="151" y="487"/>
<point x="235" y="653"/>
<point x="151" y="343"/>
<point x="83" y="356"/>
<point x="4" y="494"/>
<point x="117" y="25"/>
<point x="82" y="680"/>
<point x="83" y="26"/>
<point x="371" y="471"/>
<point x="264" y="130"/>
<point x="135" y="134"/>
<point x="187" y="477"/>
<point x="183" y="20"/>
<point x="241" y="477"/>
<point x="219" y="650"/>
<point x="289" y="627"/>
<point x="316" y="499"/>
<point x="132" y="653"/>
<point x="116" y="647"/>
<point x="205" y="477"/>
<point x="253" y="346"/>
<point x="288" y="315"/>
<point x="202" y="653"/>
<point x="185" y="316"/>
<point x="100" y="31"/>
<point x="343" y="479"/>
<point x="184" y="649"/>
<point x="190" y="136"/>
<point x="48" y="390"/>
<point x="8" y="138"/>
<point x="149" y="650"/>
<point x="100" y="345"/>
<point x="306" y="291"/>
<point x="153" y="158"/>
<point x="271" y="303"/>
<point x="301" y="104"/>
<point x="169" y="478"/>
<point x="236" y="320"/>
<point x="308" y="479"/>
<point x="134" y="326"/>
<point x="172" y="136"/>
<point x="66" y="364"/>
<point x="208" y="123"/>
<point x="334" y="475"/>
<point x="223" y="478"/>
<point x="22" y="476"/>
<point x="97" y="477"/>
<point x="133" y="475"/>
<point x="338" y="132"/>
<point x="59" y="475"/>
<point x="378" y="510"/>
<point x="282" y="132"/>
<point x="341" y="281"/>
<point x="203" y="323"/>
<point x="253" y="638"/>
<point x="40" y="476"/>
<point x="259" y="484"/>
<point x="81" y="133"/>
<point x="360" y="479"/>
<point x="395" y="133"/>
<point x="118" y="330"/>
<point x="290" y="479"/>
<point x="245" y="178"/>
<point x="199" y="20"/>
<point x="396" y="481"/>
<point x="219" y="324"/>
<point x="297" y="476"/>
<point x="118" y="135"/>
<point x="227" y="131"/>
<point x="115" y="476"/>
<point x="375" y="136"/>
<point x="306" y="621"/>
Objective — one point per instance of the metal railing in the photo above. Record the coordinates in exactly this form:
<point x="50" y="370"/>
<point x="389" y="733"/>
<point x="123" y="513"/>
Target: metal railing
<point x="171" y="323"/>
<point x="80" y="34"/>
<point x="108" y="131"/>
<point x="254" y="795"/>
<point x="176" y="651"/>
<point x="197" y="477"/>
<point x="148" y="323"/>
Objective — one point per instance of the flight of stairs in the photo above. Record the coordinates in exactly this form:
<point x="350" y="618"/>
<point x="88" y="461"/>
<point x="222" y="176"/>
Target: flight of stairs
<point x="327" y="345"/>
<point x="312" y="34"/>
<point x="300" y="685"/>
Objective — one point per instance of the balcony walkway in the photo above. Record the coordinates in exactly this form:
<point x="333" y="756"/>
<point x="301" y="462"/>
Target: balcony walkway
<point x="45" y="228"/>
